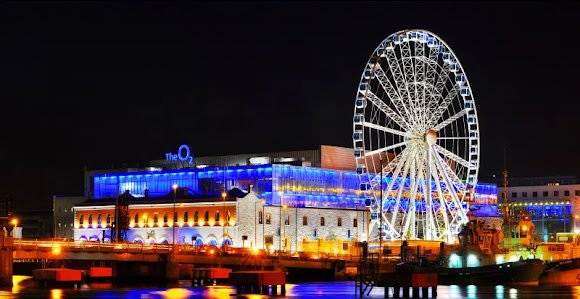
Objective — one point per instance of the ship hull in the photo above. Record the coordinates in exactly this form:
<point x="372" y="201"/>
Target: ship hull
<point x="525" y="272"/>
<point x="564" y="273"/>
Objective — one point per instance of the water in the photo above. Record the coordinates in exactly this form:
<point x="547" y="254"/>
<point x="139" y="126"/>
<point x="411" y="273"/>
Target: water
<point x="24" y="288"/>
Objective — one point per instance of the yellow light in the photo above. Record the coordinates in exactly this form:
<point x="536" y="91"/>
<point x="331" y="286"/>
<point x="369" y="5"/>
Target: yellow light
<point x="131" y="225"/>
<point x="150" y="224"/>
<point x="525" y="228"/>
<point x="170" y="224"/>
<point x="190" y="223"/>
<point x="222" y="223"/>
<point x="200" y="223"/>
<point x="175" y="186"/>
<point x="180" y="224"/>
<point x="232" y="222"/>
<point x="284" y="206"/>
<point x="56" y="250"/>
<point x="211" y="251"/>
<point x="224" y="194"/>
<point x="55" y="294"/>
<point x="14" y="222"/>
<point x="576" y="216"/>
<point x="141" y="224"/>
<point x="76" y="225"/>
<point x="85" y="225"/>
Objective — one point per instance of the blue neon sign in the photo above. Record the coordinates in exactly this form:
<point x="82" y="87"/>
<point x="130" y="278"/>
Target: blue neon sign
<point x="183" y="154"/>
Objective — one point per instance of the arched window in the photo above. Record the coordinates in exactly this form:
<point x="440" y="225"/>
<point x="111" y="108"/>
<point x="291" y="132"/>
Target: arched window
<point x="268" y="218"/>
<point x="228" y="215"/>
<point x="260" y="217"/>
<point x="165" y="217"/>
<point x="90" y="219"/>
<point x="155" y="219"/>
<point x="174" y="217"/>
<point x="195" y="216"/>
<point x="136" y="218"/>
<point x="82" y="219"/>
<point x="99" y="219"/>
<point x="185" y="216"/>
<point x="109" y="219"/>
<point x="206" y="216"/>
<point x="217" y="215"/>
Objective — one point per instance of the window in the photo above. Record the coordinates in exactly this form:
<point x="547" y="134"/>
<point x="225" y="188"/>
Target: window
<point x="155" y="219"/>
<point x="217" y="216"/>
<point x="545" y="193"/>
<point x="99" y="219"/>
<point x="260" y="217"/>
<point x="354" y="222"/>
<point x="109" y="219"/>
<point x="577" y="192"/>
<point x="321" y="221"/>
<point x="315" y="233"/>
<point x="206" y="216"/>
<point x="228" y="215"/>
<point x="195" y="216"/>
<point x="287" y="220"/>
<point x="186" y="216"/>
<point x="82" y="219"/>
<point x="304" y="220"/>
<point x="165" y="217"/>
<point x="136" y="218"/>
<point x="534" y="194"/>
<point x="339" y="221"/>
<point x="524" y="194"/>
<point x="556" y="193"/>
<point x="268" y="218"/>
<point x="566" y="193"/>
<point x="514" y="194"/>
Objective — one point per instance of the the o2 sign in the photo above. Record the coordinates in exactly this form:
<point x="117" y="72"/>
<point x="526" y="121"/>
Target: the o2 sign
<point x="183" y="154"/>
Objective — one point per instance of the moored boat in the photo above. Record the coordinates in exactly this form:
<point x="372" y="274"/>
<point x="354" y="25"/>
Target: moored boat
<point x="562" y="273"/>
<point x="523" y="272"/>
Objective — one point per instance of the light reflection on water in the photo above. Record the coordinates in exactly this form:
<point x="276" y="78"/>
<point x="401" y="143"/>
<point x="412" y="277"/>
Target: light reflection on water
<point x="24" y="287"/>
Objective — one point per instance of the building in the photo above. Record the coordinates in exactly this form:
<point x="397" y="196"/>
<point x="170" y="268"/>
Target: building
<point x="63" y="215"/>
<point x="551" y="202"/>
<point x="35" y="224"/>
<point x="287" y="201"/>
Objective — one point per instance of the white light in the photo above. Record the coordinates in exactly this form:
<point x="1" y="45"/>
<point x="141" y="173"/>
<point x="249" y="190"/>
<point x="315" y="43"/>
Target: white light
<point x="259" y="160"/>
<point x="499" y="259"/>
<point x="472" y="261"/>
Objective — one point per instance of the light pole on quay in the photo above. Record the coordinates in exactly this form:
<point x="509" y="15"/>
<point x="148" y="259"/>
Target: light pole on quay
<point x="175" y="186"/>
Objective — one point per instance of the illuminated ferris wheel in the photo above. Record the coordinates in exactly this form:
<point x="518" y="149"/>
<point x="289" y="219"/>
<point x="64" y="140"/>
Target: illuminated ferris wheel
<point x="415" y="120"/>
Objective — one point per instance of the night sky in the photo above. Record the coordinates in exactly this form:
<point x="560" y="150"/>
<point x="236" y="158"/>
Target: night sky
<point x="106" y="85"/>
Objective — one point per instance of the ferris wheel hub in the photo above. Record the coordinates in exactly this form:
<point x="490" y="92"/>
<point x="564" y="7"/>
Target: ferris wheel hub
<point x="431" y="137"/>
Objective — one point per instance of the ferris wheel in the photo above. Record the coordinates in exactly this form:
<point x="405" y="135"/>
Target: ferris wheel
<point x="415" y="126"/>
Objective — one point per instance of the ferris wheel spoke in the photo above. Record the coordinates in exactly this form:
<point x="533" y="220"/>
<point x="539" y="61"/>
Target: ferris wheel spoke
<point x="401" y="84"/>
<point x="419" y="72"/>
<point x="385" y="129"/>
<point x="442" y="203"/>
<point x="390" y="168"/>
<point x="451" y="119"/>
<point x="401" y="188"/>
<point x="452" y="156"/>
<point x="394" y="116"/>
<point x="453" y="138"/>
<point x="391" y="91"/>
<point x="387" y="148"/>
<point x="409" y="72"/>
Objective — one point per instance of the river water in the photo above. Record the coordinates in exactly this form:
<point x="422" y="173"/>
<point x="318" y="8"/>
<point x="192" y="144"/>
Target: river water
<point x="24" y="287"/>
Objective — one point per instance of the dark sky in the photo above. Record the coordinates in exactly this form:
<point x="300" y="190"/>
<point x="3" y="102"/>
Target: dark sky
<point x="100" y="85"/>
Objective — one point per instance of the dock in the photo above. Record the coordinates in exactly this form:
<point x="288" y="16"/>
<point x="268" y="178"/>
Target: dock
<point x="258" y="282"/>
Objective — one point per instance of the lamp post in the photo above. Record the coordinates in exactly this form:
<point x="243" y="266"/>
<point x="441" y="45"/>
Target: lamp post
<point x="175" y="186"/>
<point x="224" y="194"/>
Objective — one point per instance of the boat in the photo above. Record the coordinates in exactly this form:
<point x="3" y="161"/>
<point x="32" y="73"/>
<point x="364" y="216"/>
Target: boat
<point x="523" y="272"/>
<point x="562" y="273"/>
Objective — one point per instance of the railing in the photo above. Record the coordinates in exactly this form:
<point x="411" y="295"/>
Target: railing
<point x="76" y="246"/>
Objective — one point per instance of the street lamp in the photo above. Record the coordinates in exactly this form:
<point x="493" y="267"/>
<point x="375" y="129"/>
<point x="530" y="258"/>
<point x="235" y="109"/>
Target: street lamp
<point x="175" y="186"/>
<point x="224" y="194"/>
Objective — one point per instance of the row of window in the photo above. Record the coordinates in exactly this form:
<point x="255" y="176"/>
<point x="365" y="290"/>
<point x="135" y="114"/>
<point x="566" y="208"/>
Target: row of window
<point x="546" y="193"/>
<point x="185" y="217"/>
<point x="304" y="220"/>
<point x="99" y="219"/>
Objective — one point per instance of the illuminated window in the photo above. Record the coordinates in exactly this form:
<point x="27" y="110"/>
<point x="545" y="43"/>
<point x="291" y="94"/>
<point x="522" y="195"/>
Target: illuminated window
<point x="339" y="221"/>
<point x="99" y="219"/>
<point x="545" y="193"/>
<point x="165" y="217"/>
<point x="577" y="192"/>
<point x="566" y="193"/>
<point x="195" y="216"/>
<point x="524" y="194"/>
<point x="217" y="215"/>
<point x="82" y="219"/>
<point x="514" y="194"/>
<point x="556" y="193"/>
<point x="174" y="217"/>
<point x="287" y="220"/>
<point x="155" y="218"/>
<point x="90" y="219"/>
<point x="228" y="215"/>
<point x="206" y="216"/>
<point x="304" y="220"/>
<point x="136" y="218"/>
<point x="321" y="221"/>
<point x="260" y="217"/>
<point x="534" y="194"/>
<point x="268" y="218"/>
<point x="108" y="218"/>
<point x="185" y="216"/>
<point x="354" y="222"/>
